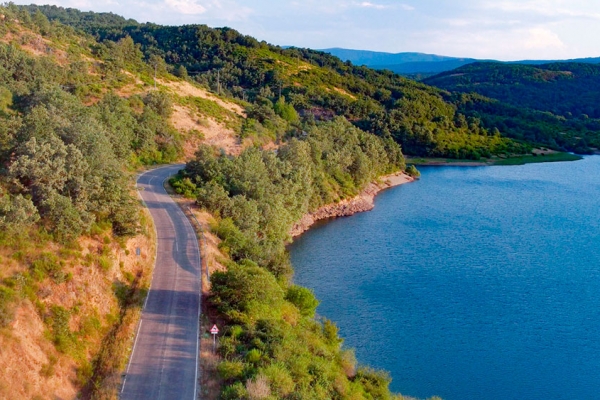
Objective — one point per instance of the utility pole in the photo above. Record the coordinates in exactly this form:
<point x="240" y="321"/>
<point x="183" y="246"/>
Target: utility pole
<point x="154" y="75"/>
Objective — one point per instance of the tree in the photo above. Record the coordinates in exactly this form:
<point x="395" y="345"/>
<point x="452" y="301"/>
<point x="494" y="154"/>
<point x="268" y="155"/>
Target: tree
<point x="286" y="111"/>
<point x="181" y="72"/>
<point x="17" y="213"/>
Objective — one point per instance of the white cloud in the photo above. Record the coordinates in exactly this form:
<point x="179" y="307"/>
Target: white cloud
<point x="494" y="43"/>
<point x="229" y="10"/>
<point x="367" y="4"/>
<point x="542" y="38"/>
<point x="547" y="8"/>
<point x="186" y="7"/>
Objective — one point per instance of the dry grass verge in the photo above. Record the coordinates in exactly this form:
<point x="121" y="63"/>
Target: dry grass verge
<point x="75" y="311"/>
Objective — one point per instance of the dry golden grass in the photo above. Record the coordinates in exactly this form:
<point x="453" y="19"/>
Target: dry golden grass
<point x="198" y="129"/>
<point x="32" y="365"/>
<point x="258" y="388"/>
<point x="186" y="89"/>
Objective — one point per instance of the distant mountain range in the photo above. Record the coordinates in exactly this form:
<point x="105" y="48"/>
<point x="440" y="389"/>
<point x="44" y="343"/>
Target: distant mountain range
<point x="421" y="63"/>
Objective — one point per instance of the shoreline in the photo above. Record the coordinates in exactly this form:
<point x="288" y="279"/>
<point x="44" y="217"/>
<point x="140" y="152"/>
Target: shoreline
<point x="537" y="158"/>
<point x="365" y="201"/>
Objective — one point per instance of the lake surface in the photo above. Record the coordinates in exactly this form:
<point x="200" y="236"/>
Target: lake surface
<point x="472" y="283"/>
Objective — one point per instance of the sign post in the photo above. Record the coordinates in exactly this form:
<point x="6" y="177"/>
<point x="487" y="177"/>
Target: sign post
<point x="214" y="330"/>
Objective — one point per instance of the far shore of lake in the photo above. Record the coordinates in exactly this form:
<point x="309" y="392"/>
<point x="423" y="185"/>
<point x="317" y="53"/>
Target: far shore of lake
<point x="541" y="157"/>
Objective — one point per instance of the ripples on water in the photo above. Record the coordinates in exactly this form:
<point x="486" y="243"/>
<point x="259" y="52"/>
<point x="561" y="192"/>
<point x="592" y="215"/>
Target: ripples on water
<point x="473" y="283"/>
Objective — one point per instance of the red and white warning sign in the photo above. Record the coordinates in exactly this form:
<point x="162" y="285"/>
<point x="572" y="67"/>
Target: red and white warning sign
<point x="214" y="330"/>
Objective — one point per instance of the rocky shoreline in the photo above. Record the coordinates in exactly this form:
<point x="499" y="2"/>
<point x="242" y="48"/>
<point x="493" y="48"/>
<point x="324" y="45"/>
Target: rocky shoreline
<point x="365" y="201"/>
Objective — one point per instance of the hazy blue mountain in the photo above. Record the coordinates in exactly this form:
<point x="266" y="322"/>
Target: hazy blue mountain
<point x="422" y="63"/>
<point x="587" y="60"/>
<point x="371" y="58"/>
<point x="425" y="67"/>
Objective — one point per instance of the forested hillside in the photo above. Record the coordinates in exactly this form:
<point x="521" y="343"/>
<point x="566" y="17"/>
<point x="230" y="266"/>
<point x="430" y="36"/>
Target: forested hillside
<point x="77" y="118"/>
<point x="555" y="104"/>
<point x="317" y="85"/>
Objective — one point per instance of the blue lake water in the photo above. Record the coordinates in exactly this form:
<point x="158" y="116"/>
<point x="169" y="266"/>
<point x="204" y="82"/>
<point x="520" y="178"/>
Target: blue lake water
<point x="472" y="283"/>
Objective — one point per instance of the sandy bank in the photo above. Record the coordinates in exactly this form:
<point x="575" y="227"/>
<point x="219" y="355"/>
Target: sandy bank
<point x="363" y="202"/>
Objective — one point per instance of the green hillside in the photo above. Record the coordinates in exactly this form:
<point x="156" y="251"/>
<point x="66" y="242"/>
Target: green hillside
<point x="554" y="104"/>
<point x="318" y="86"/>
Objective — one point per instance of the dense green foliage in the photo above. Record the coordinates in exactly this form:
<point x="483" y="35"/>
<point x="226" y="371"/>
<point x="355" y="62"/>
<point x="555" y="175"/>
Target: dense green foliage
<point x="567" y="89"/>
<point x="272" y="342"/>
<point x="64" y="160"/>
<point x="260" y="194"/>
<point x="553" y="104"/>
<point x="67" y="140"/>
<point x="316" y="84"/>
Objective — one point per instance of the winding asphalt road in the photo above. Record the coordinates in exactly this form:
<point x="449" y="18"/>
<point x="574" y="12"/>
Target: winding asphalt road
<point x="164" y="361"/>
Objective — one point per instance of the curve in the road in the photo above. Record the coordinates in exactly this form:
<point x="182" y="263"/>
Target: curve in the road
<point x="164" y="359"/>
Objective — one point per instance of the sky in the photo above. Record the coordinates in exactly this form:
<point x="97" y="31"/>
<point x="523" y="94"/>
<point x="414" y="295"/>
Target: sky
<point x="489" y="29"/>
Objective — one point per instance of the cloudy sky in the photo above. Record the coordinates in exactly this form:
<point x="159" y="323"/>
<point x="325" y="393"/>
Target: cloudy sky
<point x="499" y="29"/>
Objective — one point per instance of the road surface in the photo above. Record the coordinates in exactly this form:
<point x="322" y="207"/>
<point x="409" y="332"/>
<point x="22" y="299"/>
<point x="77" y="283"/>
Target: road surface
<point x="164" y="361"/>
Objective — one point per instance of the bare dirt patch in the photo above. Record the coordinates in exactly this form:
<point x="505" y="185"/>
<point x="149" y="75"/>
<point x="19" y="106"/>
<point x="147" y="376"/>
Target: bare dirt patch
<point x="35" y="44"/>
<point x="130" y="89"/>
<point x="211" y="132"/>
<point x="183" y="88"/>
<point x="345" y="93"/>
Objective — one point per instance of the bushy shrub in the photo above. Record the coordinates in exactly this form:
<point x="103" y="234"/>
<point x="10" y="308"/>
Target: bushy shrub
<point x="249" y="289"/>
<point x="231" y="370"/>
<point x="17" y="213"/>
<point x="236" y="391"/>
<point x="411" y="170"/>
<point x="282" y="383"/>
<point x="303" y="298"/>
<point x="254" y="356"/>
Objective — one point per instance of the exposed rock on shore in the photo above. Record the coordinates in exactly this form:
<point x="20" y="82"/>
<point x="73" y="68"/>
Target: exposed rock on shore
<point x="365" y="201"/>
